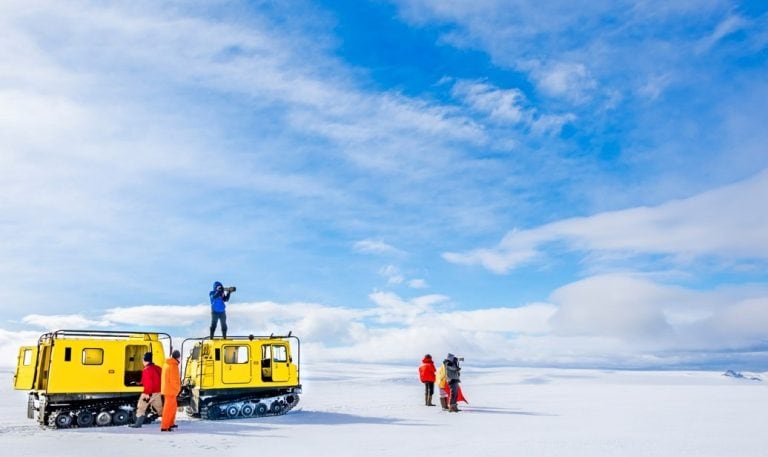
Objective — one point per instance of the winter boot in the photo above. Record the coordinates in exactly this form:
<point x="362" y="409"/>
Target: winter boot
<point x="444" y="403"/>
<point x="224" y="335"/>
<point x="137" y="424"/>
<point x="453" y="409"/>
<point x="429" y="401"/>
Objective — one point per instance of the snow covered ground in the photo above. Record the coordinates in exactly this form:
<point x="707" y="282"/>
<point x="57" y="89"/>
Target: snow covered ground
<point x="376" y="410"/>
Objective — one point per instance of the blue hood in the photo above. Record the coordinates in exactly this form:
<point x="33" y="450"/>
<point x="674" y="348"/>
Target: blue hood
<point x="217" y="284"/>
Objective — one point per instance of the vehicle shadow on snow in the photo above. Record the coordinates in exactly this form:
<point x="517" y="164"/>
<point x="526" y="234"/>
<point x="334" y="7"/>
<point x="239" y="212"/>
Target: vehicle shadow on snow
<point x="488" y="410"/>
<point x="186" y="427"/>
<point x="330" y="418"/>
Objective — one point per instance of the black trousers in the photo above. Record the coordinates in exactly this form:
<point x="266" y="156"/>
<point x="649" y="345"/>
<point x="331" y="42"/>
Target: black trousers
<point x="454" y="392"/>
<point x="429" y="388"/>
<point x="215" y="317"/>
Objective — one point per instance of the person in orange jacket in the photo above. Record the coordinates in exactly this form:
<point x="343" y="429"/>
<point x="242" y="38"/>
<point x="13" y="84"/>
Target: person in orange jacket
<point x="171" y="386"/>
<point x="427" y="376"/>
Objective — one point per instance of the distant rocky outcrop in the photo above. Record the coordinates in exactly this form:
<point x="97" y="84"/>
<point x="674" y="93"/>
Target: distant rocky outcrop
<point x="740" y="375"/>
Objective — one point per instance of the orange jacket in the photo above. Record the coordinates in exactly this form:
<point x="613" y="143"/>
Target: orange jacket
<point x="171" y="385"/>
<point x="427" y="370"/>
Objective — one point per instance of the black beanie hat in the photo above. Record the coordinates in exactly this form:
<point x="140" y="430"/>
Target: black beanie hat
<point x="147" y="356"/>
<point x="176" y="354"/>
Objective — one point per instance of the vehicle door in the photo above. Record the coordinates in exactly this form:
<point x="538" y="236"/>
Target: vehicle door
<point x="281" y="371"/>
<point x="237" y="365"/>
<point x="26" y="367"/>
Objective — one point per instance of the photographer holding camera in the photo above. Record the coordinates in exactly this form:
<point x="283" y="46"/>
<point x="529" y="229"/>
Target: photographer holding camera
<point x="219" y="296"/>
<point x="452" y="374"/>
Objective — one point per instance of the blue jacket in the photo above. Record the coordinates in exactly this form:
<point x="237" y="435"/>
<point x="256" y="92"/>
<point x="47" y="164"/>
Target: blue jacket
<point x="218" y="298"/>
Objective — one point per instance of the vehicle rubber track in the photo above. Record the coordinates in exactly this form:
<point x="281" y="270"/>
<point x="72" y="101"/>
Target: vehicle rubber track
<point x="244" y="408"/>
<point x="103" y="414"/>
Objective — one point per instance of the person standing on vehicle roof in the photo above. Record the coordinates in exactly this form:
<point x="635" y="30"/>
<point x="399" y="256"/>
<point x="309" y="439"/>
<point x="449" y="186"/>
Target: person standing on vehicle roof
<point x="219" y="297"/>
<point x="171" y="386"/>
<point x="150" y="397"/>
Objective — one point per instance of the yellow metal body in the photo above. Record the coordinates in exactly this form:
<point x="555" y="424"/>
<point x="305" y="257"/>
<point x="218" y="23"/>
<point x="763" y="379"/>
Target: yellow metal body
<point x="84" y="362"/>
<point x="238" y="363"/>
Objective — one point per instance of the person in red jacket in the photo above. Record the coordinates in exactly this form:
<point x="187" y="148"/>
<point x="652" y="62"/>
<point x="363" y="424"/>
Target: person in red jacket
<point x="150" y="397"/>
<point x="427" y="376"/>
<point x="171" y="386"/>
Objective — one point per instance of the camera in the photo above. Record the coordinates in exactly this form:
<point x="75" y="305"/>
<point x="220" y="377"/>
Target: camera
<point x="230" y="289"/>
<point x="460" y="359"/>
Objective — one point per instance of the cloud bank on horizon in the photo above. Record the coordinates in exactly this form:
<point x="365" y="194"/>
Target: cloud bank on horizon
<point x="522" y="182"/>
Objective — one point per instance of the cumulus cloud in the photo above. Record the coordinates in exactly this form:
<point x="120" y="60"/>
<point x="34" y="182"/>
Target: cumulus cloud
<point x="569" y="80"/>
<point x="613" y="306"/>
<point x="56" y="322"/>
<point x="727" y="222"/>
<point x="617" y="320"/>
<point x="158" y="315"/>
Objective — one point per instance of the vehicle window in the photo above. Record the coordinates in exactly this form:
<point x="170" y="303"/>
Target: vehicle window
<point x="27" y="357"/>
<point x="236" y="354"/>
<point x="93" y="356"/>
<point x="279" y="353"/>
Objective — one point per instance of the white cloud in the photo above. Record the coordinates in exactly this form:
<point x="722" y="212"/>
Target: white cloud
<point x="376" y="247"/>
<point x="569" y="80"/>
<point x="727" y="222"/>
<point x="655" y="85"/>
<point x="648" y="316"/>
<point x="530" y="319"/>
<point x="391" y="308"/>
<point x="157" y="315"/>
<point x="726" y="27"/>
<point x="613" y="306"/>
<point x="508" y="106"/>
<point x="417" y="283"/>
<point x="499" y="104"/>
<point x="607" y="320"/>
<point x="56" y="322"/>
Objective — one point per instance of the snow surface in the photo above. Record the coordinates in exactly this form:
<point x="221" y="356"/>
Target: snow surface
<point x="353" y="410"/>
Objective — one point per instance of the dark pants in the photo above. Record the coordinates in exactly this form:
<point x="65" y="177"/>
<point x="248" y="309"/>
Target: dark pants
<point x="429" y="388"/>
<point x="215" y="317"/>
<point x="454" y="392"/>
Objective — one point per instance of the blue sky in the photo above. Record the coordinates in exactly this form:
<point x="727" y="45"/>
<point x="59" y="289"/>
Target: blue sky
<point x="522" y="182"/>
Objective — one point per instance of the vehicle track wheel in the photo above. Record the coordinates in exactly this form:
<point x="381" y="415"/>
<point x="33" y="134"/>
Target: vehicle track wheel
<point x="121" y="417"/>
<point x="233" y="411"/>
<point x="276" y="407"/>
<point x="103" y="418"/>
<point x="260" y="409"/>
<point x="213" y="413"/>
<point x="62" y="420"/>
<point x="84" y="418"/>
<point x="247" y="410"/>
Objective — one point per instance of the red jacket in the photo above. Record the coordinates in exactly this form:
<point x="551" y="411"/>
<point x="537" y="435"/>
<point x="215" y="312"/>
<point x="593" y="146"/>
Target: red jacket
<point x="150" y="379"/>
<point x="427" y="370"/>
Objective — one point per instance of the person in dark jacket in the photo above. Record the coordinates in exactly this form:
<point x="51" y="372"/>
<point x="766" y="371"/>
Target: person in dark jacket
<point x="452" y="374"/>
<point x="427" y="376"/>
<point x="150" y="397"/>
<point x="219" y="297"/>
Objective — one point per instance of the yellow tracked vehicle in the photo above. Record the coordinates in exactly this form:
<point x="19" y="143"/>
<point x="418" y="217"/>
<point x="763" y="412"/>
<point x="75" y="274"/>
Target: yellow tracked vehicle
<point x="89" y="378"/>
<point x="238" y="377"/>
<point x="86" y="377"/>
